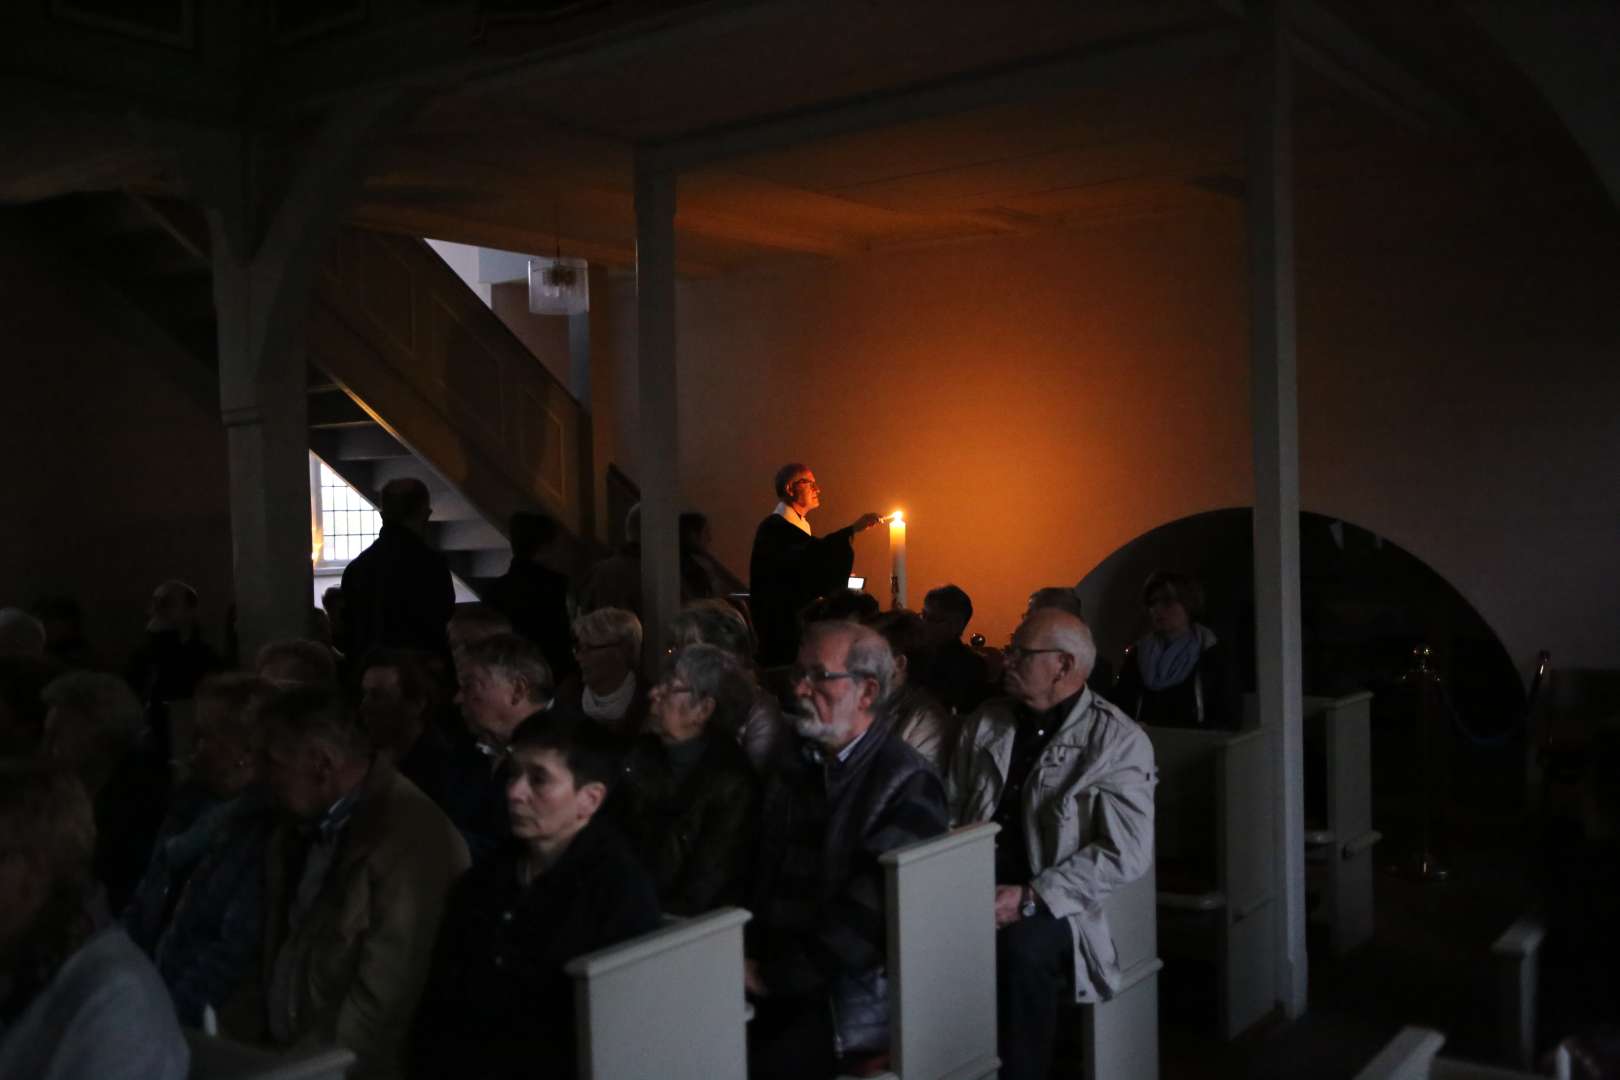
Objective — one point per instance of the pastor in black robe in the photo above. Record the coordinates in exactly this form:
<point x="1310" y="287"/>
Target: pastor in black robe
<point x="789" y="569"/>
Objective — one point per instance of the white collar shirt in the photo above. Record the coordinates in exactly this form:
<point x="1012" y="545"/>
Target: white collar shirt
<point x="793" y="517"/>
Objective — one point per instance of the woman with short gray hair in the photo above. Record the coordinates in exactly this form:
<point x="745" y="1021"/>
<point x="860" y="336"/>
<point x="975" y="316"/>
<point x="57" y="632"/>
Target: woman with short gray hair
<point x="607" y="644"/>
<point x="690" y="796"/>
<point x="764" y="735"/>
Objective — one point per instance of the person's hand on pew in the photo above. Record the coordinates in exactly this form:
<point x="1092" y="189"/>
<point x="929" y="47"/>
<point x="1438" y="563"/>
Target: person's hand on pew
<point x="1009" y="899"/>
<point x="751" y="980"/>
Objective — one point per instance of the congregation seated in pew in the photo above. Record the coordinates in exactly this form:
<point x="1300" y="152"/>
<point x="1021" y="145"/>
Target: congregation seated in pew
<point x="816" y="951"/>
<point x="197" y="910"/>
<point x="504" y="680"/>
<point x="1070" y="780"/>
<point x="357" y="876"/>
<point x="608" y="688"/>
<point x="764" y="736"/>
<point x="498" y="1002"/>
<point x="1178" y="674"/>
<point x="920" y="719"/>
<point x="79" y="1000"/>
<point x="690" y="799"/>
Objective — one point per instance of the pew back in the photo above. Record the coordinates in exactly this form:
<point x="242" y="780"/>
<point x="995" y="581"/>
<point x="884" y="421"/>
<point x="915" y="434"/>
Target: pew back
<point x="1216" y="852"/>
<point x="1339" y="842"/>
<point x="942" y="954"/>
<point x="671" y="1000"/>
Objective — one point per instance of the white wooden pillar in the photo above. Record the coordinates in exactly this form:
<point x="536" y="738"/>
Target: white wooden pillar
<point x="265" y="252"/>
<point x="655" y="356"/>
<point x="1275" y="419"/>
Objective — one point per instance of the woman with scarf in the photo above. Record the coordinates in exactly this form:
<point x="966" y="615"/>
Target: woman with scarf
<point x="1177" y="675"/>
<point x="607" y="644"/>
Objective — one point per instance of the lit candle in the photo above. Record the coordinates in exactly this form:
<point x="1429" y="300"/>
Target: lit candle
<point x="897" y="560"/>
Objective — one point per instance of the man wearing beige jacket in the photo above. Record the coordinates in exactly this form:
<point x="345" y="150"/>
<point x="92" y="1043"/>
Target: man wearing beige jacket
<point x="357" y="878"/>
<point x="1069" y="778"/>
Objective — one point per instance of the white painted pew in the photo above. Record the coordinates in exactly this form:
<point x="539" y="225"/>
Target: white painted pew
<point x="1340" y="845"/>
<point x="213" y="1058"/>
<point x="940" y="896"/>
<point x="1517" y="961"/>
<point x="1214" y="798"/>
<point x="667" y="1004"/>
<point x="1122" y="1033"/>
<point x="1412" y="1055"/>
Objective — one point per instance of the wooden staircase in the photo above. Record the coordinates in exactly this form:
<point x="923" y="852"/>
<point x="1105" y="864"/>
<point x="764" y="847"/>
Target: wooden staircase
<point x="410" y="374"/>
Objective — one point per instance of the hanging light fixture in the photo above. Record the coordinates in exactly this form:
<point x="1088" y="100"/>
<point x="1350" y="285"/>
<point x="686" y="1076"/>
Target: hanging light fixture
<point x="559" y="286"/>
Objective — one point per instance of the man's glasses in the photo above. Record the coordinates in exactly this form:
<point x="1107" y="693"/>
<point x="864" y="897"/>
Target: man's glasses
<point x="821" y="676"/>
<point x="669" y="688"/>
<point x="804" y="480"/>
<point x="1017" y="654"/>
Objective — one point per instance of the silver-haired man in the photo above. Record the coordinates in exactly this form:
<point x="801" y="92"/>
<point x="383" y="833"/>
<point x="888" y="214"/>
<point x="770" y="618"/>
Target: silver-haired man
<point x="1069" y="778"/>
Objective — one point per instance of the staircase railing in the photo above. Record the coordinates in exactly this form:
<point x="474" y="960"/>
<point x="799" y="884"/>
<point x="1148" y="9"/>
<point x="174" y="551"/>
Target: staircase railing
<point x="397" y="329"/>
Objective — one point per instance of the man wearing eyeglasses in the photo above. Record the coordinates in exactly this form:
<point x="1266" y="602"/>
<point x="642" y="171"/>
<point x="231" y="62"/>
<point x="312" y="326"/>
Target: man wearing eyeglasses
<point x="817" y="948"/>
<point x="1069" y="778"/>
<point x="791" y="566"/>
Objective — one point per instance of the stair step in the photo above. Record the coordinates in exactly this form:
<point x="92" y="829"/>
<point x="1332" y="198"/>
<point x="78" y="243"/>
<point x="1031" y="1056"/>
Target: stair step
<point x="452" y="506"/>
<point x="473" y="565"/>
<point x="408" y="467"/>
<point x="337" y="410"/>
<point x="370" y="444"/>
<point x="467" y="535"/>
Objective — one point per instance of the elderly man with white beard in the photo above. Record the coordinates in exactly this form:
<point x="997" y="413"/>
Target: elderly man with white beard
<point x="817" y="946"/>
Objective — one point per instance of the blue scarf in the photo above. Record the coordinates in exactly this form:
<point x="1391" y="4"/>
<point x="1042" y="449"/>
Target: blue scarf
<point x="1168" y="663"/>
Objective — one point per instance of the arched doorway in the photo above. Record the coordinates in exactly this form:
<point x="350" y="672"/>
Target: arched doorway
<point x="1365" y="602"/>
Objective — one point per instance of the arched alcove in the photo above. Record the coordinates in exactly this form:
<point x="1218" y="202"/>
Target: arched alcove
<point x="1365" y="602"/>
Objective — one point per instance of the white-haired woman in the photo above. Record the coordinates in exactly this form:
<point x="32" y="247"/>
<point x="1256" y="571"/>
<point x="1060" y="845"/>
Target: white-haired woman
<point x="607" y="644"/>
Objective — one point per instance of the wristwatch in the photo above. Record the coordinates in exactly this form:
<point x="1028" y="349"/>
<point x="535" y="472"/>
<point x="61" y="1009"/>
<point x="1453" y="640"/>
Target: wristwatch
<point x="1027" y="908"/>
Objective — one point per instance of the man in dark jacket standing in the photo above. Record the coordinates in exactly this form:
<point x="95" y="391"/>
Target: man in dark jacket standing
<point x="397" y="593"/>
<point x="791" y="566"/>
<point x="818" y="947"/>
<point x="533" y="595"/>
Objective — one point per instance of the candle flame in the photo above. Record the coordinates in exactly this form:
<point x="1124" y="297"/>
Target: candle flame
<point x="896" y="516"/>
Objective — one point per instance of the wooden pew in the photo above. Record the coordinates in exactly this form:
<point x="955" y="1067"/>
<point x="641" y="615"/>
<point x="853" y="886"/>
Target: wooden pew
<point x="1412" y="1055"/>
<point x="669" y="1003"/>
<point x="942" y="955"/>
<point x="1517" y="961"/>
<point x="1339" y="836"/>
<point x="1122" y="1033"/>
<point x="1214" y="856"/>
<point x="213" y="1058"/>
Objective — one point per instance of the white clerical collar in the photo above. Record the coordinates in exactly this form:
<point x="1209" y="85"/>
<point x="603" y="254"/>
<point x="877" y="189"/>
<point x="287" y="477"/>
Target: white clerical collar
<point x="794" y="518"/>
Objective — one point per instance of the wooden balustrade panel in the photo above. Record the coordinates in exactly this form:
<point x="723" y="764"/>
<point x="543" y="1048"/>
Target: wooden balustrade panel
<point x="395" y="326"/>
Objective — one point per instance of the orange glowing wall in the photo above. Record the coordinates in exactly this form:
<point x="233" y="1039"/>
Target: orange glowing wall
<point x="991" y="391"/>
<point x="1035" y="403"/>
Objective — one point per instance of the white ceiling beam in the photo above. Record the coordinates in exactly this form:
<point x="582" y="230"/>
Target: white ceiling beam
<point x="1137" y="60"/>
<point x="1336" y="51"/>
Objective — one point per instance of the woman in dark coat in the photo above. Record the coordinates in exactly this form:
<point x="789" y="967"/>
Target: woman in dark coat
<point x="1177" y="675"/>
<point x="690" y="796"/>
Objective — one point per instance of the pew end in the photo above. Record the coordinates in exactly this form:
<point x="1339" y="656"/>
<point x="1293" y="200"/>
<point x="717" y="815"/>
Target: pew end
<point x="673" y="996"/>
<point x="1214" y="796"/>
<point x="1413" y="1054"/>
<point x="1516" y="958"/>
<point x="942" y="956"/>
